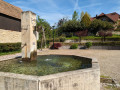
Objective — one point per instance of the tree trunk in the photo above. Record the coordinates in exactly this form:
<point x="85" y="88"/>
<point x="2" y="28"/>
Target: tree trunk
<point x="104" y="38"/>
<point x="41" y="42"/>
<point x="80" y="39"/>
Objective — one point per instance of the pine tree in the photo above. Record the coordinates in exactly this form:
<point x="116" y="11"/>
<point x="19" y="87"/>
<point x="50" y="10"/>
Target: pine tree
<point x="81" y="16"/>
<point x="75" y="16"/>
<point x="85" y="21"/>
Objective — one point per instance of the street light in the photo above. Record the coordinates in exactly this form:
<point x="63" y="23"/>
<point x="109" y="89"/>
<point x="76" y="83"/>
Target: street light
<point x="53" y="35"/>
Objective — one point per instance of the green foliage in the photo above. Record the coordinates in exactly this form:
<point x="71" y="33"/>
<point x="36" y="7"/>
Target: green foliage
<point x="71" y="26"/>
<point x="111" y="38"/>
<point x="85" y="21"/>
<point x="8" y="53"/>
<point x="61" y="22"/>
<point x="81" y="16"/>
<point x="117" y="43"/>
<point x="88" y="44"/>
<point x="75" y="16"/>
<point x="62" y="39"/>
<point x="43" y="23"/>
<point x="98" y="25"/>
<point x="9" y="47"/>
<point x="118" y="28"/>
<point x="74" y="46"/>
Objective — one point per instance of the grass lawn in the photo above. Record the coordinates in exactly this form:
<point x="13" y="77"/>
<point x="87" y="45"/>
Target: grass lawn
<point x="8" y="53"/>
<point x="93" y="37"/>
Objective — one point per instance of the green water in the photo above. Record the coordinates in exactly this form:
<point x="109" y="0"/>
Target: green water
<point x="45" y="65"/>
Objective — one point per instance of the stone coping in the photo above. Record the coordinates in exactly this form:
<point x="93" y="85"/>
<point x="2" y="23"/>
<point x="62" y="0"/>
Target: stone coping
<point x="95" y="67"/>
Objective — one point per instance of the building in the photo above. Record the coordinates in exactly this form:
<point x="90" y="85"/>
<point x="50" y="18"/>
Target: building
<point x="10" y="23"/>
<point x="111" y="17"/>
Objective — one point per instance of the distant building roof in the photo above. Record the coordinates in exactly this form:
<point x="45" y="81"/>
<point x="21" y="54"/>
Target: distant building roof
<point x="10" y="10"/>
<point x="113" y="16"/>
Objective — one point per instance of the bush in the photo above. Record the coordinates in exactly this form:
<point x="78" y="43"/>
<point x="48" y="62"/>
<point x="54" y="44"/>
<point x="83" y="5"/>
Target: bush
<point x="10" y="47"/>
<point x="88" y="44"/>
<point x="74" y="46"/>
<point x="56" y="46"/>
<point x="47" y="42"/>
<point x="62" y="39"/>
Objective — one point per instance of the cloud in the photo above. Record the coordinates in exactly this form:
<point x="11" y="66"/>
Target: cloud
<point x="92" y="5"/>
<point x="48" y="11"/>
<point x="53" y="10"/>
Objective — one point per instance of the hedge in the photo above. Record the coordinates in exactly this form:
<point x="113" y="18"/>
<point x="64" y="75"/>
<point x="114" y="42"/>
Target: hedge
<point x="10" y="47"/>
<point x="97" y="43"/>
<point x="113" y="38"/>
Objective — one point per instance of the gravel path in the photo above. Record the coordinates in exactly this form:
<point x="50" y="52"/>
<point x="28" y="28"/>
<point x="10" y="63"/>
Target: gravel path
<point x="6" y="57"/>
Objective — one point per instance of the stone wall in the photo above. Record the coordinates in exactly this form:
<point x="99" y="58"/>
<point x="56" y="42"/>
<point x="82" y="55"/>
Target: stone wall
<point x="8" y="36"/>
<point x="94" y="47"/>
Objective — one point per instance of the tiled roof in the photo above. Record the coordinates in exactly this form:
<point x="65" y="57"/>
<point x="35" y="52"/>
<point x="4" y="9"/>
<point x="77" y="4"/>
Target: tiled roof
<point x="92" y="18"/>
<point x="113" y="16"/>
<point x="10" y="10"/>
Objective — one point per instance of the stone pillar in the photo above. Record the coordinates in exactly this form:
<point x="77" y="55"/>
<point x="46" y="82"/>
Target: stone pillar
<point x="29" y="36"/>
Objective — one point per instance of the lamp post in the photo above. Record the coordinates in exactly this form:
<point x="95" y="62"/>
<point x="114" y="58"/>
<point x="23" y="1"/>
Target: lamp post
<point x="53" y="36"/>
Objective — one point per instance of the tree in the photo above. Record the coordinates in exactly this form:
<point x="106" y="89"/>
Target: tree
<point x="104" y="34"/>
<point x="75" y="16"/>
<point x="61" y="22"/>
<point x="81" y="33"/>
<point x="71" y="26"/>
<point x="45" y="25"/>
<point x="85" y="21"/>
<point x="98" y="25"/>
<point x="43" y="28"/>
<point x="81" y="16"/>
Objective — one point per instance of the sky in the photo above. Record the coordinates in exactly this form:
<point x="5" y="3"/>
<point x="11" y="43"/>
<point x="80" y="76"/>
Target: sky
<point x="54" y="10"/>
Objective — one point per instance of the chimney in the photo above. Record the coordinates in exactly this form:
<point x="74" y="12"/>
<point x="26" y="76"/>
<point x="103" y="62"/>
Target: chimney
<point x="96" y="15"/>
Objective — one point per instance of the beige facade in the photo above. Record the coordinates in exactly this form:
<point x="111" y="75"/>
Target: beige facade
<point x="9" y="36"/>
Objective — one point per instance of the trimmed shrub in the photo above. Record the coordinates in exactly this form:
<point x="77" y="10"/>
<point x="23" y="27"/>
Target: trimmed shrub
<point x="115" y="43"/>
<point x="88" y="44"/>
<point x="10" y="47"/>
<point x="56" y="46"/>
<point x="74" y="46"/>
<point x="62" y="39"/>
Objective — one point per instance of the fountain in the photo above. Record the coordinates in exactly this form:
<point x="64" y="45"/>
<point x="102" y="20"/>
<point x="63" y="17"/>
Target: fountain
<point x="29" y="36"/>
<point x="46" y="72"/>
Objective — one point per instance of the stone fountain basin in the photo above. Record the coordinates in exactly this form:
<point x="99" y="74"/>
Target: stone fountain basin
<point x="83" y="79"/>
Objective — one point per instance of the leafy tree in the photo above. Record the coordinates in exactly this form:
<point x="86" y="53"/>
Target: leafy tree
<point x="81" y="33"/>
<point x="85" y="21"/>
<point x="75" y="16"/>
<point x="43" y="23"/>
<point x="61" y="22"/>
<point x="71" y="26"/>
<point x="104" y="34"/>
<point x="98" y="25"/>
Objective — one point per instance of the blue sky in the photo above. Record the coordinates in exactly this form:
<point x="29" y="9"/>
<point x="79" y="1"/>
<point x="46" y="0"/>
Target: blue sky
<point x="53" y="10"/>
